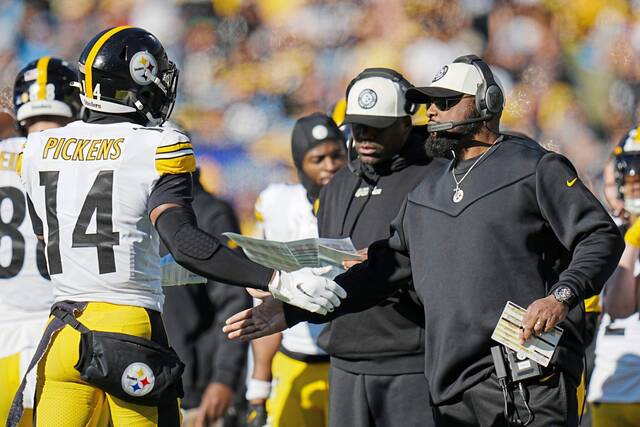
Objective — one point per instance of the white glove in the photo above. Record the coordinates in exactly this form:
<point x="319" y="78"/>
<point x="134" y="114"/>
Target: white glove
<point x="328" y="271"/>
<point x="306" y="290"/>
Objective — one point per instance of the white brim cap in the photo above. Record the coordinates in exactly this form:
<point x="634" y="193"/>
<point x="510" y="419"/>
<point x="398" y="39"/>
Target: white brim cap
<point x="452" y="80"/>
<point x="375" y="101"/>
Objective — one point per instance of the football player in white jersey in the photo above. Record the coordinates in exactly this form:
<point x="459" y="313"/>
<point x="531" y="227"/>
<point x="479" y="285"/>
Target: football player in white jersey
<point x="292" y="360"/>
<point x="614" y="389"/>
<point x="43" y="98"/>
<point x="106" y="189"/>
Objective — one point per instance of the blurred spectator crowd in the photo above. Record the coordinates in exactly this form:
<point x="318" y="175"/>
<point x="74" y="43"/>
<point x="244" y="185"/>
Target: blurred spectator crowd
<point x="249" y="68"/>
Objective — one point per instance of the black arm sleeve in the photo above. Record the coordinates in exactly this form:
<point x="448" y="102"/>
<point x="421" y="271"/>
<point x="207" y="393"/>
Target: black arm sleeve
<point x="203" y="254"/>
<point x="387" y="269"/>
<point x="171" y="188"/>
<point x="582" y="225"/>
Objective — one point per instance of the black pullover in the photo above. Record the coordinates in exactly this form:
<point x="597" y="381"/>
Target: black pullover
<point x="387" y="339"/>
<point x="526" y="225"/>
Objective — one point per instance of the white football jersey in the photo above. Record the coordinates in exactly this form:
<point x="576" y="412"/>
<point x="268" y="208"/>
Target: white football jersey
<point x="25" y="292"/>
<point x="284" y="213"/>
<point x="90" y="185"/>
<point x="616" y="374"/>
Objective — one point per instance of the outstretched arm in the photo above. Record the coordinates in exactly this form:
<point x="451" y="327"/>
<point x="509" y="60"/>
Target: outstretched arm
<point x="385" y="271"/>
<point x="198" y="251"/>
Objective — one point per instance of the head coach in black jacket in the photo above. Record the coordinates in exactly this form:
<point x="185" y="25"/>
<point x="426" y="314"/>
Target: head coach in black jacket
<point x="377" y="356"/>
<point x="502" y="220"/>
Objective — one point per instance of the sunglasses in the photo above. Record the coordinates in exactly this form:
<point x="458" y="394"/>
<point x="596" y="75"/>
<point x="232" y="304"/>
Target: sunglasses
<point x="444" y="104"/>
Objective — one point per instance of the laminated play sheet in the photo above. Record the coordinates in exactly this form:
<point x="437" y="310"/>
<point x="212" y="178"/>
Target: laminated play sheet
<point x="540" y="349"/>
<point x="297" y="254"/>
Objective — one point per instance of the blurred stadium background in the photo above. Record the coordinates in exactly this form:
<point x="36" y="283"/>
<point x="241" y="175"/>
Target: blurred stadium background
<point x="249" y="68"/>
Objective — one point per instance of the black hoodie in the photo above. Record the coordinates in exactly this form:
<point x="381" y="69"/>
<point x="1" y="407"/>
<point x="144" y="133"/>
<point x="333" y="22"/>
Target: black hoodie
<point x="387" y="339"/>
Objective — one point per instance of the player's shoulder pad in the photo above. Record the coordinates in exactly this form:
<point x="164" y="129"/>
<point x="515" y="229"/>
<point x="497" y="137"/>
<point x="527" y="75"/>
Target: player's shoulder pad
<point x="273" y="198"/>
<point x="174" y="153"/>
<point x="12" y="143"/>
<point x="279" y="194"/>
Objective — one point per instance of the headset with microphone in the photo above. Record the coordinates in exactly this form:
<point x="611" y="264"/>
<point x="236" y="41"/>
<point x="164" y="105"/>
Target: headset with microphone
<point x="409" y="107"/>
<point x="489" y="96"/>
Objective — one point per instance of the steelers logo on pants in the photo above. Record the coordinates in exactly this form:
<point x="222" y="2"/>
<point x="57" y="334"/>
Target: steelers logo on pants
<point x="138" y="379"/>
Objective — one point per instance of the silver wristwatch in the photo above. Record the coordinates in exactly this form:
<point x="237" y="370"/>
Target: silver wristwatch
<point x="564" y="294"/>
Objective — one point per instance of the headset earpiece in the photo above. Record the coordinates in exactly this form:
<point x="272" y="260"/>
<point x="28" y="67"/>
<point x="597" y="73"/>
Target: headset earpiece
<point x="489" y="96"/>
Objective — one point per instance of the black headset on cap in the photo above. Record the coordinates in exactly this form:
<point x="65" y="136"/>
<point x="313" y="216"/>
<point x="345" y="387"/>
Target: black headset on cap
<point x="489" y="96"/>
<point x="387" y="73"/>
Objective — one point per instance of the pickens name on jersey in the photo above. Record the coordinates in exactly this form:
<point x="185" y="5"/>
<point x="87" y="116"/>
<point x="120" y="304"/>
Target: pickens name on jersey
<point x="75" y="149"/>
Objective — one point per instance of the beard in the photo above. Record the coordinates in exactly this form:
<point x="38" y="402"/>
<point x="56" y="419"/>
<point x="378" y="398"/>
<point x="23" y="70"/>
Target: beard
<point x="441" y="144"/>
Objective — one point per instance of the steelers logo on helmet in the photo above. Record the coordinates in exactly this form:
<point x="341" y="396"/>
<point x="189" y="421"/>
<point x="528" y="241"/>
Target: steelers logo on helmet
<point x="367" y="99"/>
<point x="138" y="379"/>
<point x="440" y="74"/>
<point x="319" y="132"/>
<point x="143" y="68"/>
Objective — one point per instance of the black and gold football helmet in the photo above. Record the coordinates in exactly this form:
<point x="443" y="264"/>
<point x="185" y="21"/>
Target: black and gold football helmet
<point x="126" y="70"/>
<point x="45" y="87"/>
<point x="626" y="157"/>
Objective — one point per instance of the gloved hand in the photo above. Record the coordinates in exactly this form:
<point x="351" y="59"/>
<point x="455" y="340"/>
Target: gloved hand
<point x="306" y="290"/>
<point x="632" y="236"/>
<point x="257" y="415"/>
<point x="328" y="271"/>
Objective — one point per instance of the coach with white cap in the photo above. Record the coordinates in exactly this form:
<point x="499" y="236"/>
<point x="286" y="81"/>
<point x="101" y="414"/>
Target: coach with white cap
<point x="502" y="220"/>
<point x="377" y="356"/>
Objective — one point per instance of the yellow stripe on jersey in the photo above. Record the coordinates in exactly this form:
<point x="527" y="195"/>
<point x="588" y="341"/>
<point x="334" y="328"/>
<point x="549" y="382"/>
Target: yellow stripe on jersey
<point x="174" y="147"/>
<point x="19" y="159"/>
<point x="181" y="164"/>
<point x="316" y="206"/>
<point x="42" y="66"/>
<point x="88" y="75"/>
<point x="592" y="305"/>
<point x="637" y="138"/>
<point x="19" y="164"/>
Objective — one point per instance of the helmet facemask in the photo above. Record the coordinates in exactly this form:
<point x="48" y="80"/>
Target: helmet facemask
<point x="628" y="180"/>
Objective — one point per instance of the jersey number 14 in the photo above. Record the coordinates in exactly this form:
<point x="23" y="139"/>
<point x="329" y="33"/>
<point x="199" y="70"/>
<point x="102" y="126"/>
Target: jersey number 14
<point x="99" y="200"/>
